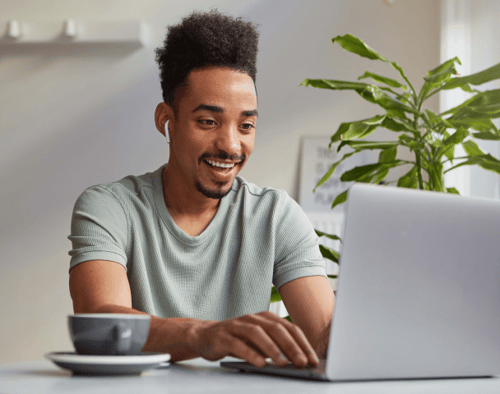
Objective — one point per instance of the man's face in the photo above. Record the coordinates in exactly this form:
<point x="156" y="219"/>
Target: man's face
<point x="214" y="130"/>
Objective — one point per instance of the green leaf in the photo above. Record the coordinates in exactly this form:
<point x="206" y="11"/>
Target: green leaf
<point x="376" y="95"/>
<point x="479" y="78"/>
<point x="410" y="142"/>
<point x="355" y="45"/>
<point x="490" y="163"/>
<point x="436" y="77"/>
<point x="339" y="133"/>
<point x="332" y="169"/>
<point x="358" y="129"/>
<point x="486" y="136"/>
<point x="438" y="123"/>
<point x="432" y="116"/>
<point x="434" y="80"/>
<point x="389" y="154"/>
<point x="330" y="236"/>
<point x="340" y="199"/>
<point x="467" y="88"/>
<point x="485" y="111"/>
<point x="404" y="98"/>
<point x="333" y="84"/>
<point x="444" y="66"/>
<point x="457" y="137"/>
<point x="329" y="254"/>
<point x="288" y="318"/>
<point x="381" y="79"/>
<point x="483" y="104"/>
<point x="357" y="172"/>
<point x="380" y="176"/>
<point x="390" y="124"/>
<point x="450" y="153"/>
<point x="452" y="190"/>
<point x="396" y="113"/>
<point x="362" y="145"/>
<point x="434" y="139"/>
<point x="472" y="149"/>
<point x="385" y="156"/>
<point x="448" y="144"/>
<point x="402" y="73"/>
<point x="409" y="180"/>
<point x="487" y="162"/>
<point x="479" y="124"/>
<point x="275" y="296"/>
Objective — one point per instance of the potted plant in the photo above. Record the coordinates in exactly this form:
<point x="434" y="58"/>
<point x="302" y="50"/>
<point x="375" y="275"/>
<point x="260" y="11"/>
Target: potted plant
<point x="431" y="137"/>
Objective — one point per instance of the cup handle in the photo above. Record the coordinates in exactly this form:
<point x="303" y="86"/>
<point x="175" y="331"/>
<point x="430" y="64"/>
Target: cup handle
<point x="122" y="336"/>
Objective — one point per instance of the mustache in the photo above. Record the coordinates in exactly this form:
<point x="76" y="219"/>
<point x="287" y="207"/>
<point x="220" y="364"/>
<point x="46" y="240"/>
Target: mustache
<point x="221" y="156"/>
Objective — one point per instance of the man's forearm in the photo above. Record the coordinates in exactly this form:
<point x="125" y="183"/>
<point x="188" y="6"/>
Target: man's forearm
<point x="321" y="345"/>
<point x="166" y="335"/>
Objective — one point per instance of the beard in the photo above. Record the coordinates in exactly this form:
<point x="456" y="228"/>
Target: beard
<point x="216" y="193"/>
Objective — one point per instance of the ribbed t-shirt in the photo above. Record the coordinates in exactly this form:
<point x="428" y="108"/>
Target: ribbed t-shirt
<point x="258" y="236"/>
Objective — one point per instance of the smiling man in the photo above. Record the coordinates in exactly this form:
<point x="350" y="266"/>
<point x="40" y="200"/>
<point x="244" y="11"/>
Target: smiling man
<point x="193" y="244"/>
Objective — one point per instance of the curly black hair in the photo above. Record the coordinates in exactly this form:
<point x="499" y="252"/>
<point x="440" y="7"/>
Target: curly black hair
<point x="204" y="40"/>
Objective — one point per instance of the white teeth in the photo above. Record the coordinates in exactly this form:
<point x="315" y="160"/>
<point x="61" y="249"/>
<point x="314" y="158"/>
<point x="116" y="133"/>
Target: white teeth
<point x="222" y="165"/>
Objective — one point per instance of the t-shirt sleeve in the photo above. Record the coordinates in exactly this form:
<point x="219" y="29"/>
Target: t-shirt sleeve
<point x="98" y="228"/>
<point x="297" y="245"/>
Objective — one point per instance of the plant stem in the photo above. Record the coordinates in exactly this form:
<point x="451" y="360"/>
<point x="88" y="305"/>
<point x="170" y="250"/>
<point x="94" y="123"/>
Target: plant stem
<point x="417" y="151"/>
<point x="419" y="170"/>
<point x="457" y="158"/>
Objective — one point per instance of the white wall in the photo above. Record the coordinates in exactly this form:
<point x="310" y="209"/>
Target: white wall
<point x="71" y="119"/>
<point x="485" y="52"/>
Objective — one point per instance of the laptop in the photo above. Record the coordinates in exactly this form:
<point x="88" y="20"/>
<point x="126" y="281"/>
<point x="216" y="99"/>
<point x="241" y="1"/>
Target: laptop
<point x="419" y="289"/>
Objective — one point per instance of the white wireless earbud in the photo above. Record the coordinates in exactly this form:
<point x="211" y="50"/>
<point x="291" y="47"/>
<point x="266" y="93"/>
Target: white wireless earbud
<point x="166" y="132"/>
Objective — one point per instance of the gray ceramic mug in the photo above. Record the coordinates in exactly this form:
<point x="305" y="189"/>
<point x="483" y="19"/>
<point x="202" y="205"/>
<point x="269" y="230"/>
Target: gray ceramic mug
<point x="108" y="333"/>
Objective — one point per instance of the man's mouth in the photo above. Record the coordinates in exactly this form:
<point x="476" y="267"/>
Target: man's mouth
<point x="220" y="164"/>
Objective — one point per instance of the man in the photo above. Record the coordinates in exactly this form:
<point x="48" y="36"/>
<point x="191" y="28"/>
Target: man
<point x="192" y="244"/>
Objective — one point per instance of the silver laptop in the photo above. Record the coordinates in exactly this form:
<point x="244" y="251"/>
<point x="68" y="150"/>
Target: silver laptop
<point x="419" y="289"/>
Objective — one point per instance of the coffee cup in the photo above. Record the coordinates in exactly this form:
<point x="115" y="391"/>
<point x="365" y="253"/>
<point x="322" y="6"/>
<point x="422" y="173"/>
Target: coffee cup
<point x="108" y="333"/>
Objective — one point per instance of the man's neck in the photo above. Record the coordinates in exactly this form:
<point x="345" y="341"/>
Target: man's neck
<point x="190" y="210"/>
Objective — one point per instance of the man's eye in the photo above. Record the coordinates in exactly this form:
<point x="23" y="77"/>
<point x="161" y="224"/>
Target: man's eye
<point x="207" y="122"/>
<point x="247" y="126"/>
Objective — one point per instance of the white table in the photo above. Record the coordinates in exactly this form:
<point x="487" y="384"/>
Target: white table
<point x="200" y="376"/>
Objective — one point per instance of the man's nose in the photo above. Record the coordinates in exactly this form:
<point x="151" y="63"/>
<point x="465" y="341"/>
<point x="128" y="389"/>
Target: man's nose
<point x="227" y="140"/>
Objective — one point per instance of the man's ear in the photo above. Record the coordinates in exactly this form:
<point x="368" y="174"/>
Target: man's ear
<point x="163" y="114"/>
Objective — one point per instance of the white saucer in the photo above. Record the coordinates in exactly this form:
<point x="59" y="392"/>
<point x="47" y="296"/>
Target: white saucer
<point x="83" y="364"/>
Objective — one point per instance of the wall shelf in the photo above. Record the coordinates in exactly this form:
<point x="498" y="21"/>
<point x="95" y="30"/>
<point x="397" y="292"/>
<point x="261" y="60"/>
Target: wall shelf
<point x="17" y="33"/>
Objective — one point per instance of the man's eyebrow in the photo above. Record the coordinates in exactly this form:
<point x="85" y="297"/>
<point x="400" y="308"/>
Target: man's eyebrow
<point x="253" y="112"/>
<point x="211" y="108"/>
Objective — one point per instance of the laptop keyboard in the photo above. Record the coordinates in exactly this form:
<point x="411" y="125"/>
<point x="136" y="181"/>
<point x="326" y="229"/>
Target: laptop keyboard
<point x="319" y="369"/>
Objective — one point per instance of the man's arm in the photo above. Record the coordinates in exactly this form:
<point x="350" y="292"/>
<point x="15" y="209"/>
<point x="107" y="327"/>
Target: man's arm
<point x="99" y="286"/>
<point x="309" y="301"/>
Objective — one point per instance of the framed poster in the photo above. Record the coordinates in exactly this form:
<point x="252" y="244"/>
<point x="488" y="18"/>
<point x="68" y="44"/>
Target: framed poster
<point x="316" y="159"/>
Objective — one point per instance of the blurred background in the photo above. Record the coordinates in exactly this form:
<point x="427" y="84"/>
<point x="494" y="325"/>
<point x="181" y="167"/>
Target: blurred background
<point x="72" y="117"/>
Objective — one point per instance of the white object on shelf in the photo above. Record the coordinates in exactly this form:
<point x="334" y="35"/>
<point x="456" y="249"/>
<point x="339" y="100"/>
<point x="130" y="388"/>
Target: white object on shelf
<point x="69" y="28"/>
<point x="134" y="33"/>
<point x="13" y="29"/>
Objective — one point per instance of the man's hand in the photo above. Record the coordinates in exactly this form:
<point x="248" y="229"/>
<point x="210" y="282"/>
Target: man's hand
<point x="253" y="338"/>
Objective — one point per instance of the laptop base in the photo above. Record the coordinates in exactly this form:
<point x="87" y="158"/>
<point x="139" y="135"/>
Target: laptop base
<point x="314" y="373"/>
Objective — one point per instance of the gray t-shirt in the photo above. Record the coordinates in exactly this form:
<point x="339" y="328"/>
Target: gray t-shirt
<point x="258" y="237"/>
